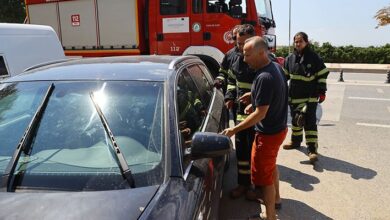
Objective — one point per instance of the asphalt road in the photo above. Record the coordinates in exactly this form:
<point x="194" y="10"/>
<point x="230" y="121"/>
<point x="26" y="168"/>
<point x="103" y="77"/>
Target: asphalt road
<point x="351" y="180"/>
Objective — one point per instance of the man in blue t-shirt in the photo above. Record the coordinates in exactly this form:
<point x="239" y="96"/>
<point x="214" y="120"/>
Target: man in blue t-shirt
<point x="269" y="115"/>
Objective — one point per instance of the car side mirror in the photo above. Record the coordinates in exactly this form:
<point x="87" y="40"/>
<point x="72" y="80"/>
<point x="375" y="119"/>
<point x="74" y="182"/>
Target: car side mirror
<point x="209" y="145"/>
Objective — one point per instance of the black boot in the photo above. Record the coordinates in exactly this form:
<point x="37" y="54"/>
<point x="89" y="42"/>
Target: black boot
<point x="292" y="145"/>
<point x="312" y="152"/>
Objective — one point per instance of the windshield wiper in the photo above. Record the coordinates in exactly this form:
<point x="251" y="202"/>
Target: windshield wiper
<point x="25" y="143"/>
<point x="126" y="172"/>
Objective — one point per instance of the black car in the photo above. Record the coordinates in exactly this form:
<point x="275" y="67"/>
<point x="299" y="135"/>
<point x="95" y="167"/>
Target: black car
<point x="112" y="138"/>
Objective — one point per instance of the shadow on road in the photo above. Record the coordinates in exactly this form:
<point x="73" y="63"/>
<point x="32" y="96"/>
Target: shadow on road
<point x="332" y="164"/>
<point x="238" y="209"/>
<point x="293" y="209"/>
<point x="297" y="179"/>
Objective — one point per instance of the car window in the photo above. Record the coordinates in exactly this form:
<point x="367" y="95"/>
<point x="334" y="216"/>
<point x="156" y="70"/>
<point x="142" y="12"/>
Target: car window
<point x="172" y="7"/>
<point x="197" y="6"/>
<point x="71" y="149"/>
<point x="191" y="110"/>
<point x="207" y="74"/>
<point x="202" y="83"/>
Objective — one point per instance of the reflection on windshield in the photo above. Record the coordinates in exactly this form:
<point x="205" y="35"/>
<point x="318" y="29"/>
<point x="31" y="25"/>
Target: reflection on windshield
<point x="71" y="147"/>
<point x="263" y="7"/>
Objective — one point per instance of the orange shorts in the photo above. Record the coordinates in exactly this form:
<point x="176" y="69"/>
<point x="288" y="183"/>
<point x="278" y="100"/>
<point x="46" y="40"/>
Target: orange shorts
<point x="263" y="158"/>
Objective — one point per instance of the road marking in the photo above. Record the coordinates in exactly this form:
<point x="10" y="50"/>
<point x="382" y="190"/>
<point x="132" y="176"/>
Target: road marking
<point x="380" y="90"/>
<point x="359" y="83"/>
<point x="367" y="98"/>
<point x="373" y="125"/>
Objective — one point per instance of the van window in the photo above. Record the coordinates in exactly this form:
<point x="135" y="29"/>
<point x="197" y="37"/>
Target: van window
<point x="173" y="7"/>
<point x="3" y="67"/>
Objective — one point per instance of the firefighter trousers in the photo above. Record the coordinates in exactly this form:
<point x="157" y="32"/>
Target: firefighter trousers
<point x="310" y="126"/>
<point x="244" y="140"/>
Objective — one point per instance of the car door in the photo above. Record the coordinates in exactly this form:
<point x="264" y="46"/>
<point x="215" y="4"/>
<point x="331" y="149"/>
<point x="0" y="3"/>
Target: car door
<point x="192" y="116"/>
<point x="214" y="123"/>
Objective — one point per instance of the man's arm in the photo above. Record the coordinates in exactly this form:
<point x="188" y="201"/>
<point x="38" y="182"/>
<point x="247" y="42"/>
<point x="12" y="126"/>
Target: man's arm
<point x="251" y="120"/>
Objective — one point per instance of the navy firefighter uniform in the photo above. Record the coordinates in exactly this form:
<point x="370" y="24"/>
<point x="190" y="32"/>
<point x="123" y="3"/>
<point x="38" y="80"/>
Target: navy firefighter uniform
<point x="240" y="82"/>
<point x="307" y="74"/>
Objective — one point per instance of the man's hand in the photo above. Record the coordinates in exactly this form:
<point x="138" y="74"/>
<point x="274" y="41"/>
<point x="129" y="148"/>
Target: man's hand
<point x="218" y="83"/>
<point x="246" y="98"/>
<point x="229" y="104"/>
<point x="186" y="132"/>
<point x="229" y="132"/>
<point x="248" y="109"/>
<point x="321" y="98"/>
<point x="182" y="124"/>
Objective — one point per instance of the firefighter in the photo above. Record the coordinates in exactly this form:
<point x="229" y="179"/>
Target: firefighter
<point x="307" y="74"/>
<point x="240" y="82"/>
<point x="224" y="70"/>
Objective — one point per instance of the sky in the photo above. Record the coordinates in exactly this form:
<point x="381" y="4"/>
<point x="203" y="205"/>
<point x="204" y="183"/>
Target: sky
<point x="339" y="22"/>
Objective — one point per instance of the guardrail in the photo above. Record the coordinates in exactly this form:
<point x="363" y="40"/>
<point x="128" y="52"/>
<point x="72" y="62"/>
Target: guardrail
<point x="358" y="67"/>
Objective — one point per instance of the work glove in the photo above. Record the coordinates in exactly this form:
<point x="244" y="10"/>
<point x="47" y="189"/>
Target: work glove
<point x="321" y="97"/>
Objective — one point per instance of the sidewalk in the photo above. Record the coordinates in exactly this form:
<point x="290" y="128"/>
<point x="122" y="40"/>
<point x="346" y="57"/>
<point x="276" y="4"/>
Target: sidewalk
<point x="358" y="67"/>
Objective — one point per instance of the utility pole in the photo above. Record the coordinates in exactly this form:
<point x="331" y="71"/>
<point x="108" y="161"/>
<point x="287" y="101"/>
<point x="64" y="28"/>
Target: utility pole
<point x="289" y="27"/>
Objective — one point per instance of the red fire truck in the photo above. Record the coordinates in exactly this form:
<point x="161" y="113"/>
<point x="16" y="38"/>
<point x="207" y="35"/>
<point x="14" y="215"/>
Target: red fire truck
<point x="127" y="27"/>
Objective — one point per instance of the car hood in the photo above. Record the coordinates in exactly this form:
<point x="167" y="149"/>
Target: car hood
<point x="116" y="204"/>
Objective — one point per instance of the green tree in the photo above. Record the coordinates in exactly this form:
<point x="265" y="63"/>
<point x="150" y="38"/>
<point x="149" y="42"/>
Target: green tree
<point x="326" y="51"/>
<point x="12" y="11"/>
<point x="347" y="54"/>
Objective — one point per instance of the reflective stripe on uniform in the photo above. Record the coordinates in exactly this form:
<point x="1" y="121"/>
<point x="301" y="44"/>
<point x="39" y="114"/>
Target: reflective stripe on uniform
<point x="302" y="78"/>
<point x="240" y="171"/>
<point x="301" y="106"/>
<point x="311" y="132"/>
<point x="243" y="163"/>
<point x="221" y="78"/>
<point x="322" y="80"/>
<point x="322" y="72"/>
<point x="223" y="71"/>
<point x="231" y="75"/>
<point x="197" y="102"/>
<point x="244" y="85"/>
<point x="241" y="117"/>
<point x="297" y="133"/>
<point x="298" y="101"/>
<point x="231" y="87"/>
<point x="294" y="128"/>
<point x="311" y="140"/>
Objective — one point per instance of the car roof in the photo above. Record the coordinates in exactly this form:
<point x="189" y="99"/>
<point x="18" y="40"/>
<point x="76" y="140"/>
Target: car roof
<point x="147" y="68"/>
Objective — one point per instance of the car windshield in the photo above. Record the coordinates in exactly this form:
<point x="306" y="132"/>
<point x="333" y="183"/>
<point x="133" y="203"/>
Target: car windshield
<point x="70" y="149"/>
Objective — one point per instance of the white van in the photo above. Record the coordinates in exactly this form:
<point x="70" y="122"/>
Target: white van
<point x="25" y="45"/>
